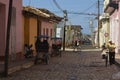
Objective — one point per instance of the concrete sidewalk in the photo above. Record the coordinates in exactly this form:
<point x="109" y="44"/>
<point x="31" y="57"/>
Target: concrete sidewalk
<point x="17" y="65"/>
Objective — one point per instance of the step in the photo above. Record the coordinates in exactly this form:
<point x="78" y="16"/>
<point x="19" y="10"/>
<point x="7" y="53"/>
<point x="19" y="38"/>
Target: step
<point x="20" y="67"/>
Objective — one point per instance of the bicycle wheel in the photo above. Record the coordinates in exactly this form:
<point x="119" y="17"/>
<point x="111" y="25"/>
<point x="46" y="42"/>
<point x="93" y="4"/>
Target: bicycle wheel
<point x="46" y="58"/>
<point x="106" y="61"/>
<point x="36" y="59"/>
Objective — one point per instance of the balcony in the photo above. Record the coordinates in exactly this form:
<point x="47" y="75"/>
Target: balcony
<point x="110" y="6"/>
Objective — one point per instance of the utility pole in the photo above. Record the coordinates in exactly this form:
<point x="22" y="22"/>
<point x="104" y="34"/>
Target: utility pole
<point x="98" y="22"/>
<point x="65" y="19"/>
<point x="91" y="29"/>
<point x="8" y="38"/>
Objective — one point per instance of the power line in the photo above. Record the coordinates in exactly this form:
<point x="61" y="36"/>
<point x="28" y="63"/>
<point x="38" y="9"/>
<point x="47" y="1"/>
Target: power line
<point x="58" y="5"/>
<point x="82" y="13"/>
<point x="78" y="13"/>
<point x="89" y="7"/>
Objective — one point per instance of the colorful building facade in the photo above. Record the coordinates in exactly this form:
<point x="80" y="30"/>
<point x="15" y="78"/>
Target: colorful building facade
<point x="104" y="29"/>
<point x="37" y="22"/>
<point x="15" y="46"/>
<point x="73" y="33"/>
<point x="113" y="8"/>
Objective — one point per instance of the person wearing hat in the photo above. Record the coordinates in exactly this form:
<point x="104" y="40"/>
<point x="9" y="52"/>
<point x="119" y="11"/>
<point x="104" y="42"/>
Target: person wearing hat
<point x="111" y="47"/>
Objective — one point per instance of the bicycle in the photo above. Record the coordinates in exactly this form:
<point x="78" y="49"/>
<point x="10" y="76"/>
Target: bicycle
<point x="56" y="51"/>
<point x="56" y="46"/>
<point x="105" y="55"/>
<point x="46" y="58"/>
<point x="106" y="59"/>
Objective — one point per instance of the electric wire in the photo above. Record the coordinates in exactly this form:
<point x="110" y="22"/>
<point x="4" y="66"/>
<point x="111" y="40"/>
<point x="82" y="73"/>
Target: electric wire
<point x="58" y="5"/>
<point x="78" y="13"/>
<point x="89" y="7"/>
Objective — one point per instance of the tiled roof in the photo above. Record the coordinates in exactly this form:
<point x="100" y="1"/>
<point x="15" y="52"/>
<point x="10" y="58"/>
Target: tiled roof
<point x="35" y="11"/>
<point x="52" y="15"/>
<point x="43" y="13"/>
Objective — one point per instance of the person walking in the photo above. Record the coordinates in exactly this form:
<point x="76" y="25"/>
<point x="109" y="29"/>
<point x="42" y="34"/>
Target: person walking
<point x="45" y="50"/>
<point x="111" y="47"/>
<point x="75" y="45"/>
<point x="38" y="49"/>
<point x="45" y="46"/>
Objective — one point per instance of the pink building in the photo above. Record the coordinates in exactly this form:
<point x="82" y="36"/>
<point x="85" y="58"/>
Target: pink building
<point x="48" y="24"/>
<point x="16" y="28"/>
<point x="113" y="8"/>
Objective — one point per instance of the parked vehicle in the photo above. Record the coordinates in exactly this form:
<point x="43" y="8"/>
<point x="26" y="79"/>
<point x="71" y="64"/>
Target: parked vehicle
<point x="56" y="46"/>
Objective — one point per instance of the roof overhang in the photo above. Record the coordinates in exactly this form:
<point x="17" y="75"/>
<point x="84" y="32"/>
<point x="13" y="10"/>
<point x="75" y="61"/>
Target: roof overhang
<point x="44" y="13"/>
<point x="35" y="11"/>
<point x="110" y="8"/>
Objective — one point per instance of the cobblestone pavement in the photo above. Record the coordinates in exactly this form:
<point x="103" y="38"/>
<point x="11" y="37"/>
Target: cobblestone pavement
<point x="85" y="65"/>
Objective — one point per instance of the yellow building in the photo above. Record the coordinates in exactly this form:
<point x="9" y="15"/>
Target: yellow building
<point x="104" y="29"/>
<point x="37" y="22"/>
<point x="31" y="25"/>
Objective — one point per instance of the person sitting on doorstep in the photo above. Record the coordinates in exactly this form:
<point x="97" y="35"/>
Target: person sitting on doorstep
<point x="28" y="51"/>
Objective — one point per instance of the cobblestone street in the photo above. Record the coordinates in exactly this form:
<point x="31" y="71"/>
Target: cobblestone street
<point x="85" y="65"/>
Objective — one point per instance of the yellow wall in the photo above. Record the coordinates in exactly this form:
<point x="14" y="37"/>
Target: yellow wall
<point x="23" y="22"/>
<point x="29" y="30"/>
<point x="32" y="31"/>
<point x="105" y="29"/>
<point x="26" y="30"/>
<point x="108" y="31"/>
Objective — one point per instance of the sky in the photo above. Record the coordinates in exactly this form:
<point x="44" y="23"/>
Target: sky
<point x="78" y="6"/>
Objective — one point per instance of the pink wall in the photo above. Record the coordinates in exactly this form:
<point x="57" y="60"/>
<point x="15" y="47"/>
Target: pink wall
<point x="2" y="29"/>
<point x="46" y="24"/>
<point x="18" y="5"/>
<point x="113" y="24"/>
<point x="115" y="30"/>
<point x="119" y="29"/>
